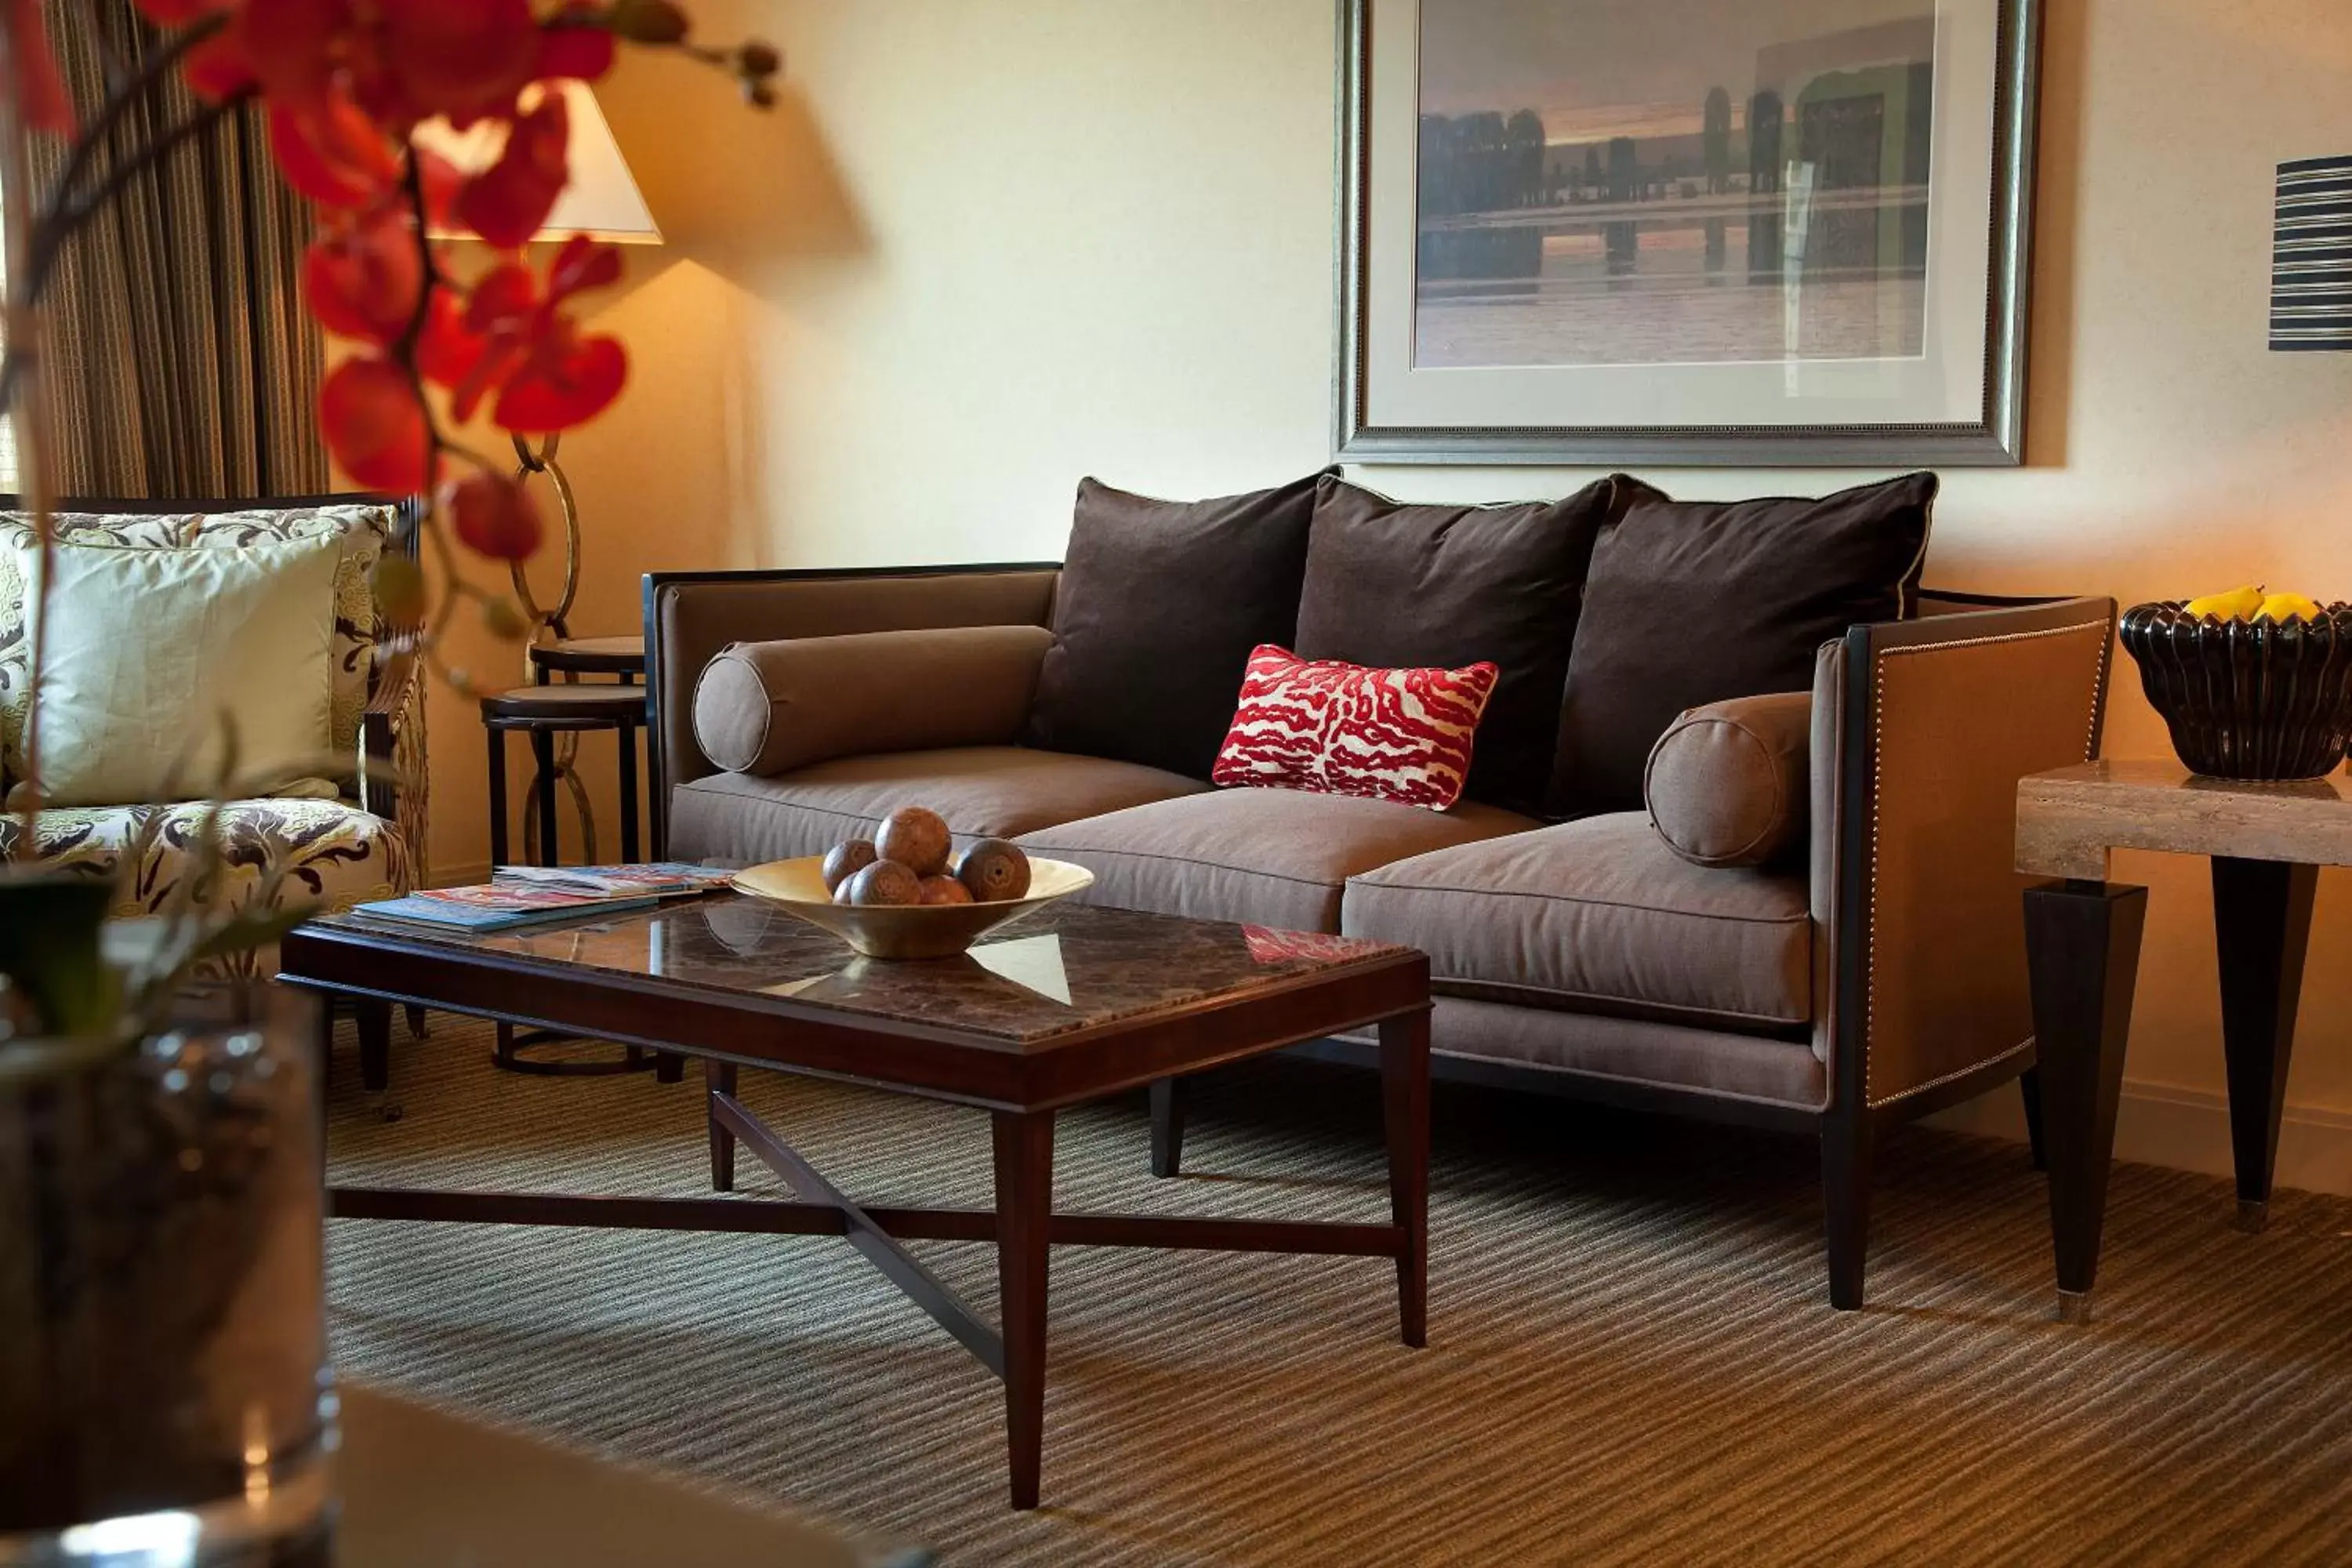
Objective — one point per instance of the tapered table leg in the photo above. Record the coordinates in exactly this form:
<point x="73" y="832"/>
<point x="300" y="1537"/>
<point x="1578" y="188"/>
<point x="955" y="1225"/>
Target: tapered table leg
<point x="326" y="1042"/>
<point x="1167" y="1126"/>
<point x="2262" y="927"/>
<point x="2082" y="948"/>
<point x="1404" y="1093"/>
<point x="376" y="1043"/>
<point x="719" y="1078"/>
<point x="1025" y="1207"/>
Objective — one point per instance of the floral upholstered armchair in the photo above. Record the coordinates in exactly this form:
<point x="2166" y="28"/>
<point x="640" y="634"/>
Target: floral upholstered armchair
<point x="367" y="841"/>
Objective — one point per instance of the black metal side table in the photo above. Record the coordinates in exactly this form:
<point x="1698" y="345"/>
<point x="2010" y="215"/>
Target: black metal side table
<point x="545" y="713"/>
<point x="621" y="657"/>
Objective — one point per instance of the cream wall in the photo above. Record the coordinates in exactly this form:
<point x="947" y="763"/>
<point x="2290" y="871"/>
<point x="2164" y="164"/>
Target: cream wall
<point x="988" y="246"/>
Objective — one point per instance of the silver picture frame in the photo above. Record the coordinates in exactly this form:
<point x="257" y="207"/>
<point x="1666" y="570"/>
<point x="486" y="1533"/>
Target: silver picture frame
<point x="1994" y="437"/>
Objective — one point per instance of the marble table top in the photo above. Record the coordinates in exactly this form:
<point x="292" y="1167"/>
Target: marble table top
<point x="1066" y="967"/>
<point x="2068" y="820"/>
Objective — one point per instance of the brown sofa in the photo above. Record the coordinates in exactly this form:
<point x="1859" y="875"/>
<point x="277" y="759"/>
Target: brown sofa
<point x="1874" y="975"/>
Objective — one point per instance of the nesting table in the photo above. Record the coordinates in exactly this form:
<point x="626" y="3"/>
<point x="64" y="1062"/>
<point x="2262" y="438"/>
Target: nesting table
<point x="2266" y="843"/>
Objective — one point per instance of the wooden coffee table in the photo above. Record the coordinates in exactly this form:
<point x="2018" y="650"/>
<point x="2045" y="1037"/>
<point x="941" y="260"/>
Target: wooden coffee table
<point x="1068" y="1005"/>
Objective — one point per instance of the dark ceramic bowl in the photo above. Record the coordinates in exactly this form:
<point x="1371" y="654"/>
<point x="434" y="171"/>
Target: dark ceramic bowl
<point x="2248" y="700"/>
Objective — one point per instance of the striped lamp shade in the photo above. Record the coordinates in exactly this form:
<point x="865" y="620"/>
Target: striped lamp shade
<point x="2311" y="259"/>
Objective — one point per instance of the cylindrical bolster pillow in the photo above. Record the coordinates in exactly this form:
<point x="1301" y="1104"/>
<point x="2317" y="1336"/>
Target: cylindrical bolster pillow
<point x="1727" y="782"/>
<point x="767" y="708"/>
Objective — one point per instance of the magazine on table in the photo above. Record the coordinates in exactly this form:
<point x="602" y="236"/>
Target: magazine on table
<point x="494" y="909"/>
<point x="528" y="894"/>
<point x="659" y="878"/>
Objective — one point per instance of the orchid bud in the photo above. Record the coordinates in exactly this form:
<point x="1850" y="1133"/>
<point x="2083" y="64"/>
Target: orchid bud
<point x="646" y="21"/>
<point x="494" y="516"/>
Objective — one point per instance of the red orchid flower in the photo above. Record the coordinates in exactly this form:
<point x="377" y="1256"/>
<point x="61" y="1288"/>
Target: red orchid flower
<point x="568" y="380"/>
<point x="495" y="516"/>
<point x="462" y="58"/>
<point x="569" y="47"/>
<point x="361" y="276"/>
<point x="448" y="353"/>
<point x="509" y="202"/>
<point x="39" y="91"/>
<point x="333" y="153"/>
<point x="546" y="375"/>
<point x="375" y="426"/>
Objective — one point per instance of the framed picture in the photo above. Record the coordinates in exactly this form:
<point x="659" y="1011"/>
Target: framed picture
<point x="1732" y="232"/>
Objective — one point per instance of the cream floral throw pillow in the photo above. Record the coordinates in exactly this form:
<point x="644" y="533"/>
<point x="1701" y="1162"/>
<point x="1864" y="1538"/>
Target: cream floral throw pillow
<point x="365" y="529"/>
<point x="146" y="649"/>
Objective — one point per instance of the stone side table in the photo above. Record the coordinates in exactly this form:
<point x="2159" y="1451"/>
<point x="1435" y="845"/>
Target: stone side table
<point x="2267" y="842"/>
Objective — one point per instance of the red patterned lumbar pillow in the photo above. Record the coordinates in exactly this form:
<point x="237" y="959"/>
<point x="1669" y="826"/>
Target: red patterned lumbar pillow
<point x="1340" y="729"/>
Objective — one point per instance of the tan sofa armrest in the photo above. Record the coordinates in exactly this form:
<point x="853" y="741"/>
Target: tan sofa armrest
<point x="690" y="616"/>
<point x="1922" y="729"/>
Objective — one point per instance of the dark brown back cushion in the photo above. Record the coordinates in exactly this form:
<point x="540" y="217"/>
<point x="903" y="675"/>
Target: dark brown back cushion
<point x="1160" y="604"/>
<point x="1396" y="586"/>
<point x="1696" y="602"/>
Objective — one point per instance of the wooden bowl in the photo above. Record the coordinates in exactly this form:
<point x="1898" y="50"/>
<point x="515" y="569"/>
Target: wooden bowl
<point x="904" y="931"/>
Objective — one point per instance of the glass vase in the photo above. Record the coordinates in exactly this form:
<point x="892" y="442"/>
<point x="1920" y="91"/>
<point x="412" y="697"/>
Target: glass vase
<point x="164" y="1394"/>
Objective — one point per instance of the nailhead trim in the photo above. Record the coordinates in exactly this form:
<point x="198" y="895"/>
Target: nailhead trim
<point x="1878" y="699"/>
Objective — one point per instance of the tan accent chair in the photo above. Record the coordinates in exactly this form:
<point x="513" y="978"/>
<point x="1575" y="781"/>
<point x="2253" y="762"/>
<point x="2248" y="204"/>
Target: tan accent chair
<point x="1877" y="975"/>
<point x="370" y="843"/>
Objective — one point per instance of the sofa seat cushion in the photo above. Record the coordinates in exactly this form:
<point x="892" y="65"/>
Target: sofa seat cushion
<point x="1600" y="915"/>
<point x="998" y="792"/>
<point x="1262" y="857"/>
<point x="330" y="852"/>
<point x="1591" y="1053"/>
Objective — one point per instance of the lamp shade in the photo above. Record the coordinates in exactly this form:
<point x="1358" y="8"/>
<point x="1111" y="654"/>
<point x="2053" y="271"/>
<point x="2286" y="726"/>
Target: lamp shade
<point x="2311" y="257"/>
<point x="601" y="200"/>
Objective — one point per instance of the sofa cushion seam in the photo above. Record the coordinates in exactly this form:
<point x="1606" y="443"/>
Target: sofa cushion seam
<point x="1800" y="919"/>
<point x="1183" y="860"/>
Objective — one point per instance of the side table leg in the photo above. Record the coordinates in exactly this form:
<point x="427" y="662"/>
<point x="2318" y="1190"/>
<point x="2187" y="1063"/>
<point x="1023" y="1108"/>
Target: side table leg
<point x="719" y="1078"/>
<point x="1167" y="1126"/>
<point x="543" y="787"/>
<point x="2082" y="948"/>
<point x="376" y="1043"/>
<point x="2262" y="927"/>
<point x="627" y="742"/>
<point x="1025" y="1207"/>
<point x="2029" y="1085"/>
<point x="498" y="797"/>
<point x="326" y="1043"/>
<point x="1405" y="1095"/>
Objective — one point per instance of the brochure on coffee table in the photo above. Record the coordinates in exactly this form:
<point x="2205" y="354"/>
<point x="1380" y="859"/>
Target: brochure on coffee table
<point x="660" y="877"/>
<point x="494" y="909"/>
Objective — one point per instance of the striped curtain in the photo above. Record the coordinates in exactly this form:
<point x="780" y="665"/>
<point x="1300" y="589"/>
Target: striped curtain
<point x="180" y="362"/>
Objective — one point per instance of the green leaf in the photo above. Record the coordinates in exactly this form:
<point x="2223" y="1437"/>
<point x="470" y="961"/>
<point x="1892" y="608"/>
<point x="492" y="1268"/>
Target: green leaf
<point x="49" y="948"/>
<point x="254" y="928"/>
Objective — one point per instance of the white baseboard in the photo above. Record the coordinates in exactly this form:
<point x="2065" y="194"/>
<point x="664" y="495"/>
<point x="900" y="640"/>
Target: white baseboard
<point x="2189" y="1130"/>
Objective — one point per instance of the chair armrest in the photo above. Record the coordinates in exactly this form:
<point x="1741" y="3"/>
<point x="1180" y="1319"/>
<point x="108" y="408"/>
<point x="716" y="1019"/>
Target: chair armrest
<point x="690" y="616"/>
<point x="391" y="763"/>
<point x="1921" y="730"/>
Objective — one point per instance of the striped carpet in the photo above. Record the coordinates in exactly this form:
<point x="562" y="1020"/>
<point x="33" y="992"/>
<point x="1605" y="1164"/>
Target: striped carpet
<point x="1631" y="1356"/>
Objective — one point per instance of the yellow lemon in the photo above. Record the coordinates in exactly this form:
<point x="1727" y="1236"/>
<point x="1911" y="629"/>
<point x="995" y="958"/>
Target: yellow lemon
<point x="2237" y="604"/>
<point x="2284" y="607"/>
